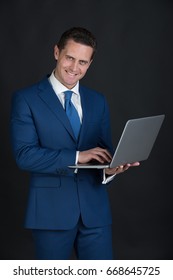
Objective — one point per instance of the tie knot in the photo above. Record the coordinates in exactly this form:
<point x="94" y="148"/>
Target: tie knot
<point x="68" y="94"/>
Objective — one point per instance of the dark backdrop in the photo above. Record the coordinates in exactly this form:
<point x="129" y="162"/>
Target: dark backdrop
<point x="133" y="68"/>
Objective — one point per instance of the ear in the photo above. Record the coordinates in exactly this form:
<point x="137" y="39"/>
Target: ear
<point x="56" y="52"/>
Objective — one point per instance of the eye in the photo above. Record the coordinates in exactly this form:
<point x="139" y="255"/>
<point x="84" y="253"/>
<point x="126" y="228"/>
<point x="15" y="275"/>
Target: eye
<point x="70" y="58"/>
<point x="83" y="62"/>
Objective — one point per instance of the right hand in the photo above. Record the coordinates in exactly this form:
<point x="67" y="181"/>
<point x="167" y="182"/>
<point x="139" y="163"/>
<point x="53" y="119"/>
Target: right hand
<point x="98" y="154"/>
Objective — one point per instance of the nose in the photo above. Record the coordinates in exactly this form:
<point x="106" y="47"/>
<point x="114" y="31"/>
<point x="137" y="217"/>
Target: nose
<point x="74" y="66"/>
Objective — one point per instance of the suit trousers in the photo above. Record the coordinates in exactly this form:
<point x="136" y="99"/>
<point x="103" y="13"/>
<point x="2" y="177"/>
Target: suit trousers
<point x="88" y="243"/>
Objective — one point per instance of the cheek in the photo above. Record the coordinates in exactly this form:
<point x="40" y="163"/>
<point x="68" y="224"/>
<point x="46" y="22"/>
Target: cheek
<point x="63" y="64"/>
<point x="84" y="70"/>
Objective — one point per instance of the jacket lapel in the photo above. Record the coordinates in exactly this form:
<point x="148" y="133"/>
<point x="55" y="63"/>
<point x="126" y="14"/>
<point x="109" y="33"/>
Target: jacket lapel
<point x="48" y="95"/>
<point x="86" y="106"/>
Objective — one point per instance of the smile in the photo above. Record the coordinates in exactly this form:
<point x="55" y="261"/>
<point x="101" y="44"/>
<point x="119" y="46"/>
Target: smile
<point x="71" y="74"/>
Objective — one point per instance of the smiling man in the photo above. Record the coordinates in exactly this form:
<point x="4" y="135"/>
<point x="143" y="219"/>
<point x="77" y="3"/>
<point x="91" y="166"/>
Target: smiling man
<point x="56" y="123"/>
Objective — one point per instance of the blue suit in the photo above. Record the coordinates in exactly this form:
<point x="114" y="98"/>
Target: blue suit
<point x="43" y="144"/>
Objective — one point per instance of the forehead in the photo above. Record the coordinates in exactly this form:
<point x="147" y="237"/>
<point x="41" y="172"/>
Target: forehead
<point x="77" y="50"/>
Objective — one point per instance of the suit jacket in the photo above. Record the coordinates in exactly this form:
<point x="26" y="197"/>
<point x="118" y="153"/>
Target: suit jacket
<point x="43" y="144"/>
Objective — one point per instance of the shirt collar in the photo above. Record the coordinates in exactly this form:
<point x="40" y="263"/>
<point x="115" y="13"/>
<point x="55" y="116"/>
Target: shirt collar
<point x="59" y="88"/>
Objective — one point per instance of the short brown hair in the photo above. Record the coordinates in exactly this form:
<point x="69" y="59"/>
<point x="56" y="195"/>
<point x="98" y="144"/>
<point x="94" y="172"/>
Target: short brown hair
<point x="79" y="35"/>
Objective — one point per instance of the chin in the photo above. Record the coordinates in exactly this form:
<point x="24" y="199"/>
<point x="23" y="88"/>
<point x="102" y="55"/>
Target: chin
<point x="71" y="83"/>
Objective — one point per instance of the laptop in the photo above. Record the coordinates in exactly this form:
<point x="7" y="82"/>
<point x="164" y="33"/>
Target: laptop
<point x="135" y="144"/>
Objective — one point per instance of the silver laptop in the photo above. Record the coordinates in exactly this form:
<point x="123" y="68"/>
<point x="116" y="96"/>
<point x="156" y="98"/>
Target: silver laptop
<point x="135" y="144"/>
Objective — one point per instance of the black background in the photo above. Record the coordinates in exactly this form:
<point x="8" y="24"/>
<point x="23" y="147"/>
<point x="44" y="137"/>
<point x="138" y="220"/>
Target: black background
<point x="133" y="68"/>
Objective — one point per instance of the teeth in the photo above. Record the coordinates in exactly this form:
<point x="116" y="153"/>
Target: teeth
<point x="71" y="74"/>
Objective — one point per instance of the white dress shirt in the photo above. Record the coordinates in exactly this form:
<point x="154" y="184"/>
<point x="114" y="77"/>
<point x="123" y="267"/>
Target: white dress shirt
<point x="59" y="90"/>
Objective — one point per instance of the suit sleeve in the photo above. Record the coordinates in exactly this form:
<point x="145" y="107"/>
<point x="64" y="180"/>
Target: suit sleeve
<point x="28" y="153"/>
<point x="106" y="139"/>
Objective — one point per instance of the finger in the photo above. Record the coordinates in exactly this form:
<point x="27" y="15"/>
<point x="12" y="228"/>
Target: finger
<point x="105" y="151"/>
<point x="132" y="164"/>
<point x="104" y="154"/>
<point x="126" y="167"/>
<point x="104" y="157"/>
<point x="135" y="163"/>
<point x="98" y="158"/>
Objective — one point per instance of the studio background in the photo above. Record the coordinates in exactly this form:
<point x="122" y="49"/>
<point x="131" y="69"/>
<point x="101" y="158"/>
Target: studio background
<point x="133" y="68"/>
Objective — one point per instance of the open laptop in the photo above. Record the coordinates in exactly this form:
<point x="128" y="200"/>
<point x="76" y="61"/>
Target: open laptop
<point x="135" y="144"/>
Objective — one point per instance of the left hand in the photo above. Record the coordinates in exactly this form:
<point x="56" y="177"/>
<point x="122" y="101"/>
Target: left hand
<point x="120" y="169"/>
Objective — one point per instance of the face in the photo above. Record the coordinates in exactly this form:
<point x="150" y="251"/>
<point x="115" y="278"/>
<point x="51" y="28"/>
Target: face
<point x="72" y="62"/>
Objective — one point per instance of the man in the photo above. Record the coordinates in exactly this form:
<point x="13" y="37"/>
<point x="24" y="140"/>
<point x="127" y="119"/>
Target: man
<point x="66" y="209"/>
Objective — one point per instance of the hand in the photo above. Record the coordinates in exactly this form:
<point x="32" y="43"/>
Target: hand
<point x="120" y="169"/>
<point x="98" y="154"/>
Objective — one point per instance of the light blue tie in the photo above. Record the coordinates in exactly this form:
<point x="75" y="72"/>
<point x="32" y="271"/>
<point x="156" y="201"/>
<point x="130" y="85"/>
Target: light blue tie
<point x="72" y="113"/>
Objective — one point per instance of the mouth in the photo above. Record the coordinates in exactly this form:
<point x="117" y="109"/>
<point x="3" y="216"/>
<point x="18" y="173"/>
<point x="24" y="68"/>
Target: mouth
<point x="71" y="74"/>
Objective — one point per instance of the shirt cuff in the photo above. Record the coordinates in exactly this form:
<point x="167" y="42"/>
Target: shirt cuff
<point x="76" y="161"/>
<point x="77" y="156"/>
<point x="107" y="179"/>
